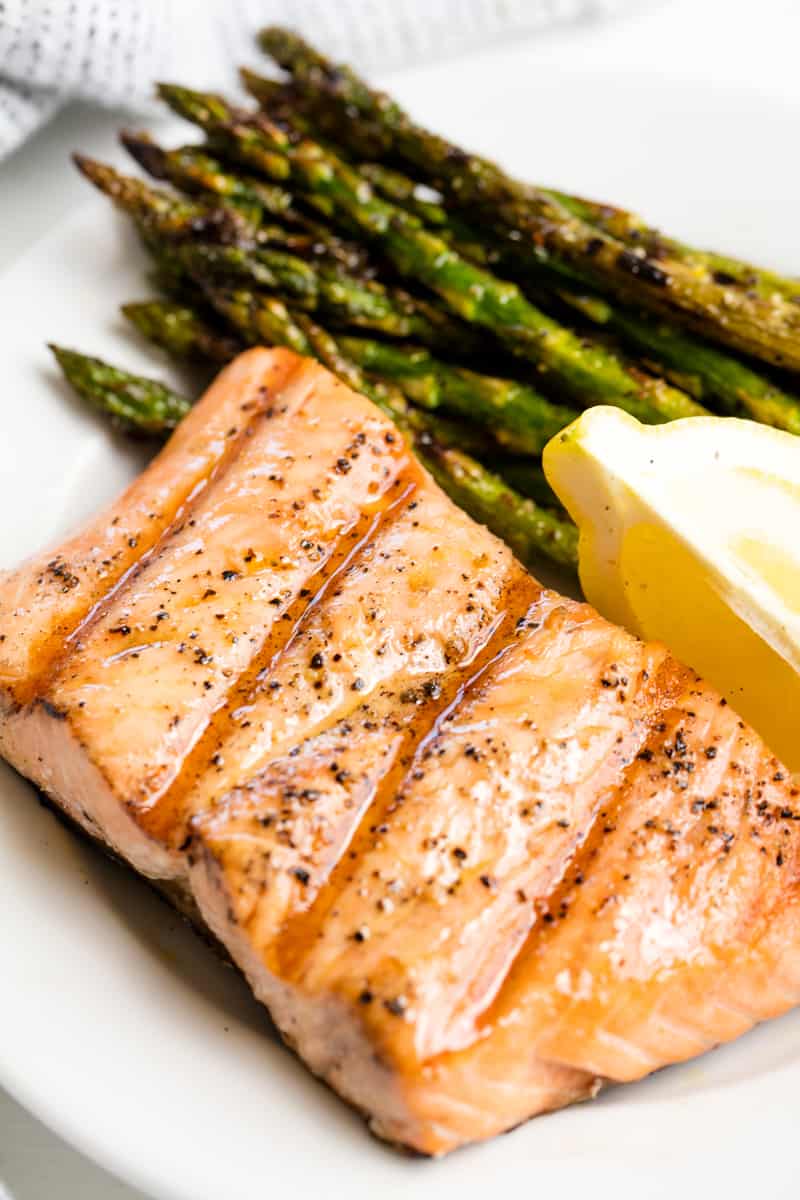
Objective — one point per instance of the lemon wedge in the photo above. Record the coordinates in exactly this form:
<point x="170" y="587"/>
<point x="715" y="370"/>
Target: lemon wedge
<point x="690" y="533"/>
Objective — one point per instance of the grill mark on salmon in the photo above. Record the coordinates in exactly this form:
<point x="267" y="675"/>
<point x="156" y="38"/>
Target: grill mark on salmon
<point x="203" y="774"/>
<point x="653" y="958"/>
<point x="201" y="606"/>
<point x="490" y="842"/>
<point x="405" y="687"/>
<point x="60" y="655"/>
<point x="342" y="651"/>
<point x="49" y="595"/>
<point x="414" y="726"/>
<point x="248" y="567"/>
<point x="295" y="941"/>
<point x="476" y="849"/>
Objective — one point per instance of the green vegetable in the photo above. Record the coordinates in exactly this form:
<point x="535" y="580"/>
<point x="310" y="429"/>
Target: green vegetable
<point x="589" y="373"/>
<point x="516" y="415"/>
<point x="546" y="229"/>
<point x="134" y="404"/>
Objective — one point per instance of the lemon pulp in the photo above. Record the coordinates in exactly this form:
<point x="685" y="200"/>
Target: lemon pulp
<point x="690" y="533"/>
<point x="666" y="593"/>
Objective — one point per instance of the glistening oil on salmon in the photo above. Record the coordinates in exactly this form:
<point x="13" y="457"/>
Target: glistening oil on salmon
<point x="433" y="811"/>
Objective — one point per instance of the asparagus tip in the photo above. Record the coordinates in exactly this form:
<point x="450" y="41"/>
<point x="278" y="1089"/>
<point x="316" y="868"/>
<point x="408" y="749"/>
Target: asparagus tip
<point x="174" y="95"/>
<point x="84" y="164"/>
<point x="267" y="34"/>
<point x="63" y="355"/>
<point x="145" y="152"/>
<point x="274" y="37"/>
<point x="59" y="352"/>
<point x="100" y="174"/>
<point x="144" y="314"/>
<point x="71" y="362"/>
<point x="177" y="94"/>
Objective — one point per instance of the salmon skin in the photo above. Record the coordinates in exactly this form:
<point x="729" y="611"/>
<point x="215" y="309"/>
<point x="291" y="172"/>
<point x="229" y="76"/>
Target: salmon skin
<point x="477" y="850"/>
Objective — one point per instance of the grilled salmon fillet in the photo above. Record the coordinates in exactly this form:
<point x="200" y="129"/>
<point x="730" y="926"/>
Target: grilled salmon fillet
<point x="476" y="849"/>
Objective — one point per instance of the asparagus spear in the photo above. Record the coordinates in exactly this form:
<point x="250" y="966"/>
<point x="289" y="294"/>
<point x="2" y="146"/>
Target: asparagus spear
<point x="421" y="382"/>
<point x="518" y="416"/>
<point x="283" y="103"/>
<point x="318" y="75"/>
<point x="378" y="115"/>
<point x="706" y="373"/>
<point x="192" y="169"/>
<point x="324" y="287"/>
<point x="510" y="414"/>
<point x="165" y="214"/>
<point x="134" y="404"/>
<point x="165" y="219"/>
<point x="478" y="246"/>
<point x="394" y="185"/>
<point x="181" y="331"/>
<point x="547" y="230"/>
<point x="160" y="214"/>
<point x="305" y="107"/>
<point x="632" y="229"/>
<point x="526" y="477"/>
<point x="590" y="373"/>
<point x="709" y="374"/>
<point x="463" y="237"/>
<point x="185" y="334"/>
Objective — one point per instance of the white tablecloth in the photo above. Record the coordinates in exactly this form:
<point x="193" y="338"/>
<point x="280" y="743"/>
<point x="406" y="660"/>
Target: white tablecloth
<point x="726" y="40"/>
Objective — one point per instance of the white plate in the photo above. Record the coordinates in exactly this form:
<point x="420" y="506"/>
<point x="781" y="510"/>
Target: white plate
<point x="117" y="1027"/>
